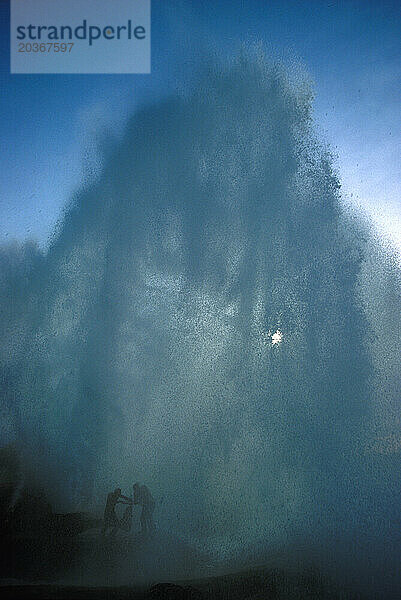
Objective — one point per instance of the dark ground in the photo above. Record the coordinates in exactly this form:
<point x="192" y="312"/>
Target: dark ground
<point x="259" y="584"/>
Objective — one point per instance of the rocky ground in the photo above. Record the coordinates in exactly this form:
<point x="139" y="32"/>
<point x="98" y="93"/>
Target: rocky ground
<point x="259" y="584"/>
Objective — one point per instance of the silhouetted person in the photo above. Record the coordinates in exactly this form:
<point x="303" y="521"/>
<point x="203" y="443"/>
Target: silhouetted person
<point x="144" y="498"/>
<point x="110" y="519"/>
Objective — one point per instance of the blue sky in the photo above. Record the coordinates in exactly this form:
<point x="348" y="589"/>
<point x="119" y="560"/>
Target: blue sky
<point x="350" y="48"/>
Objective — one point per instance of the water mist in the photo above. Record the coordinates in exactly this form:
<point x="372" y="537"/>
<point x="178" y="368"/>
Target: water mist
<point x="206" y="321"/>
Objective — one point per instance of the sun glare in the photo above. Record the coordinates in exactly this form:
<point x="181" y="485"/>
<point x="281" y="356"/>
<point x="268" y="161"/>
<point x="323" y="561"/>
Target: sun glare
<point x="276" y="337"/>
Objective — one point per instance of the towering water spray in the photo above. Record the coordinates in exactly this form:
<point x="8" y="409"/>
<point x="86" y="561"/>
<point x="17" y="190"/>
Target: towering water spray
<point x="199" y="324"/>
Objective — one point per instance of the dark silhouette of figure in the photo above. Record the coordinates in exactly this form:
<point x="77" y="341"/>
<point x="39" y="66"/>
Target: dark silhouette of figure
<point x="110" y="519"/>
<point x="144" y="498"/>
